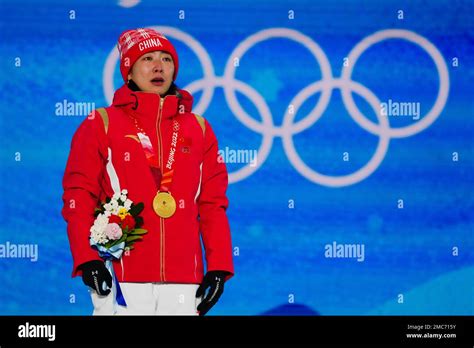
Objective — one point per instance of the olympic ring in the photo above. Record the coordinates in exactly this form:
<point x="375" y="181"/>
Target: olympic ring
<point x="443" y="91"/>
<point x="362" y="173"/>
<point x="326" y="85"/>
<point x="261" y="36"/>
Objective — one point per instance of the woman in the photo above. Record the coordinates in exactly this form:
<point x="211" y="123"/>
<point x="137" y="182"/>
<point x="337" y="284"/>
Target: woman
<point x="150" y="144"/>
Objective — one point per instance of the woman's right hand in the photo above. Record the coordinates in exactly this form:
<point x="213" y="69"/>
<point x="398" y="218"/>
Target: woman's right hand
<point x="94" y="274"/>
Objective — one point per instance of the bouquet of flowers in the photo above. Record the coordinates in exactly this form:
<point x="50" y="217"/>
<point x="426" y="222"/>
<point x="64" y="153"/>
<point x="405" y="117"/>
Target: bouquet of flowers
<point x="116" y="228"/>
<point x="117" y="222"/>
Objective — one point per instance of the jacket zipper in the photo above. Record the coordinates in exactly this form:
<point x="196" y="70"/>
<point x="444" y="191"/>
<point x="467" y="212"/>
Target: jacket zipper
<point x="162" y="223"/>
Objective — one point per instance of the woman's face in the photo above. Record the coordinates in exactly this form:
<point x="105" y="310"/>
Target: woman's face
<point x="153" y="72"/>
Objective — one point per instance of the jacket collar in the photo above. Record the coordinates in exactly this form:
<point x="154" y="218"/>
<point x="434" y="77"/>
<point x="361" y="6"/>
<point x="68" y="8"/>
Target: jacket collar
<point x="147" y="105"/>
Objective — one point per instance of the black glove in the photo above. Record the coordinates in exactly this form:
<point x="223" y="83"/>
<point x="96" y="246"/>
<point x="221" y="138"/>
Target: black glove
<point x="214" y="280"/>
<point x="94" y="274"/>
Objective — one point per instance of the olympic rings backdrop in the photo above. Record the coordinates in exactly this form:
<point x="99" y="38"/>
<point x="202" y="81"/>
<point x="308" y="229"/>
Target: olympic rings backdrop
<point x="347" y="128"/>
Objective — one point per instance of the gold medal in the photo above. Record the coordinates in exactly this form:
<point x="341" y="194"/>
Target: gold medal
<point x="164" y="204"/>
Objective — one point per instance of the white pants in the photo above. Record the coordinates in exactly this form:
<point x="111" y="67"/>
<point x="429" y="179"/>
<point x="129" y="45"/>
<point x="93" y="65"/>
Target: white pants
<point x="149" y="299"/>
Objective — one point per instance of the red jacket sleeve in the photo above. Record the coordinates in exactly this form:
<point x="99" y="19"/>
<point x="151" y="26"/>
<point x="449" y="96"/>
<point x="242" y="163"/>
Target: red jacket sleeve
<point x="213" y="202"/>
<point x="81" y="184"/>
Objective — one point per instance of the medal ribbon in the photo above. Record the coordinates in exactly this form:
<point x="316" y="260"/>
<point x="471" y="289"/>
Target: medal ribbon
<point x="167" y="178"/>
<point x="164" y="184"/>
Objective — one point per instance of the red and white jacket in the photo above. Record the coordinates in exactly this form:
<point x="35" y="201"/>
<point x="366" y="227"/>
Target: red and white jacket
<point x="105" y="153"/>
